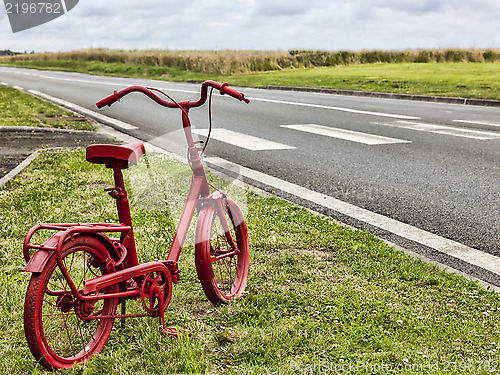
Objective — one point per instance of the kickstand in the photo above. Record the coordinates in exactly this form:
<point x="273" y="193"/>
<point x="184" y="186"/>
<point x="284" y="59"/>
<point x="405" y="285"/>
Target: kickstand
<point x="122" y="325"/>
<point x="169" y="331"/>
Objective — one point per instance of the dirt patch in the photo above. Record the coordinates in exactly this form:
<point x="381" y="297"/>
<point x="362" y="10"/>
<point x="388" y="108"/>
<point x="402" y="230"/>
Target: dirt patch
<point x="17" y="143"/>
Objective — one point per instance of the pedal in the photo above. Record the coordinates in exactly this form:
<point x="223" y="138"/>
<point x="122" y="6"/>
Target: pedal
<point x="176" y="332"/>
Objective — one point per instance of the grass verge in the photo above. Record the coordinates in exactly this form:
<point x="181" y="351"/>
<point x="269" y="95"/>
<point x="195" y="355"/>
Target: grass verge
<point x="320" y="298"/>
<point x="465" y="80"/>
<point x="21" y="109"/>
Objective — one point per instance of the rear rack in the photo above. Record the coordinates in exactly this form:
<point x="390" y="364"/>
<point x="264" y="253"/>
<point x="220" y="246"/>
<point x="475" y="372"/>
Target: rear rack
<point x="75" y="229"/>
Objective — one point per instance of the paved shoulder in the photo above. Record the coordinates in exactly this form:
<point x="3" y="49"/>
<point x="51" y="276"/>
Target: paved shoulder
<point x="19" y="142"/>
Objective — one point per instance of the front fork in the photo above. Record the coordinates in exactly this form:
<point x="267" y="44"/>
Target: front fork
<point x="219" y="199"/>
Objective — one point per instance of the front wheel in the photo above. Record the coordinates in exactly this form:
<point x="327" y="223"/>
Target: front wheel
<point x="61" y="330"/>
<point x="222" y="252"/>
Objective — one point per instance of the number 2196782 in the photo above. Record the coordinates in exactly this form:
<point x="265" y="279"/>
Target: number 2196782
<point x="34" y="8"/>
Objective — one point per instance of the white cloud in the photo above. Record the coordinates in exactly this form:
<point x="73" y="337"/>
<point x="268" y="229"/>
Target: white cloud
<point x="261" y="24"/>
<point x="281" y="8"/>
<point x="411" y="6"/>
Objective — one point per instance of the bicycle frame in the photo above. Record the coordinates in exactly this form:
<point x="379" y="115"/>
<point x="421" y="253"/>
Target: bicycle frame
<point x="127" y="266"/>
<point x="80" y="274"/>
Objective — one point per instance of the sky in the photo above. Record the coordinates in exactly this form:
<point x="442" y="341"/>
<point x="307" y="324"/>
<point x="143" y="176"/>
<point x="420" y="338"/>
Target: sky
<point x="263" y="25"/>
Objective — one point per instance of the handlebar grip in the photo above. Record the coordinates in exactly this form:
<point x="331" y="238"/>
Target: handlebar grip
<point x="225" y="89"/>
<point x="107" y="100"/>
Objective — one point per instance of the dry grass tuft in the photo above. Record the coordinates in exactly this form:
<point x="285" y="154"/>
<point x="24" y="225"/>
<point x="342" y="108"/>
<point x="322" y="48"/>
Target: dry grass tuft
<point x="227" y="62"/>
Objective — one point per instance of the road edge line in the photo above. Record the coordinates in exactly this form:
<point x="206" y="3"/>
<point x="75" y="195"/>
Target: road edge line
<point x="443" y="245"/>
<point x="84" y="111"/>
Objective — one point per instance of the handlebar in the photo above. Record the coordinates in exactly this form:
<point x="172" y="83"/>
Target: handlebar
<point x="222" y="87"/>
<point x="225" y="89"/>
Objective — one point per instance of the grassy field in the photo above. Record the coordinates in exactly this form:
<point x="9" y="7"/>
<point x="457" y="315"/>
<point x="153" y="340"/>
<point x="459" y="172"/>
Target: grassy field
<point x="226" y="62"/>
<point x="453" y="73"/>
<point x="20" y="109"/>
<point x="320" y="298"/>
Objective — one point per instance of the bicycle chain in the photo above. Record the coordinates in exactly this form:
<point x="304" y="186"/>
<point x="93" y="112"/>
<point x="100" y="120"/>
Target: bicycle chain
<point x="118" y="316"/>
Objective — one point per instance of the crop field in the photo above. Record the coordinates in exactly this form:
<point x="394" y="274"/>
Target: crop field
<point x="450" y="72"/>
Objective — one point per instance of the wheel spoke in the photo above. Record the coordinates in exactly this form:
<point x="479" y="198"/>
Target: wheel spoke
<point x="223" y="256"/>
<point x="56" y="331"/>
<point x="62" y="335"/>
<point x="225" y="245"/>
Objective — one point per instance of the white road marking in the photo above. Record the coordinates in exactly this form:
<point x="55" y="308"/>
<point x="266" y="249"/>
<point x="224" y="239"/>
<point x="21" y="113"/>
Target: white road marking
<point x="342" y="109"/>
<point x="478" y="122"/>
<point x="85" y="111"/>
<point x="248" y="142"/>
<point x="444" y="245"/>
<point x="441" y="129"/>
<point x="349" y="135"/>
<point x="449" y="130"/>
<point x="18" y="88"/>
<point x="114" y="84"/>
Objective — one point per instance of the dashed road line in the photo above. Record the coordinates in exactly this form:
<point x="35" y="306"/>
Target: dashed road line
<point x="245" y="141"/>
<point x="442" y="129"/>
<point x="478" y="122"/>
<point x="348" y="135"/>
<point x="449" y="130"/>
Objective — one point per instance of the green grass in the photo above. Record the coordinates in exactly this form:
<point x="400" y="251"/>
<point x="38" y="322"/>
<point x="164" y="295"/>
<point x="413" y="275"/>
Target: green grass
<point x="319" y="294"/>
<point x="450" y="73"/>
<point x="467" y="80"/>
<point x="20" y="109"/>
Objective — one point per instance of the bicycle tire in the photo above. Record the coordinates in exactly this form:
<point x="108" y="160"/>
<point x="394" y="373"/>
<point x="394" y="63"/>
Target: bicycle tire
<point x="222" y="277"/>
<point x="57" y="335"/>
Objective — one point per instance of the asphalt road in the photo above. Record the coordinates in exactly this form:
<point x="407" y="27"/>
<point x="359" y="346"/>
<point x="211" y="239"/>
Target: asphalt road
<point x="433" y="166"/>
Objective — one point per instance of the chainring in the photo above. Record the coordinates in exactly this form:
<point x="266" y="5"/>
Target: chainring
<point x="156" y="286"/>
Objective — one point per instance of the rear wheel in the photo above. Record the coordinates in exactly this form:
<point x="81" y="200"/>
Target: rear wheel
<point x="61" y="330"/>
<point x="222" y="252"/>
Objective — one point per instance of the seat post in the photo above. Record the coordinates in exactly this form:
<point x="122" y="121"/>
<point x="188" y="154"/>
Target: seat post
<point x="123" y="208"/>
<point x="118" y="158"/>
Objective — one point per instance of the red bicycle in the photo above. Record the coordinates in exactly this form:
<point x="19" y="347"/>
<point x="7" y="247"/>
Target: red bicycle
<point x="80" y="274"/>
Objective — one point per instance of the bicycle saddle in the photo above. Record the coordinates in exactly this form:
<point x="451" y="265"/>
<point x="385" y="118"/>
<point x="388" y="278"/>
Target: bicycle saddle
<point x="111" y="155"/>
